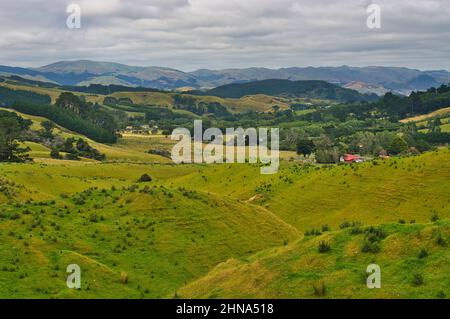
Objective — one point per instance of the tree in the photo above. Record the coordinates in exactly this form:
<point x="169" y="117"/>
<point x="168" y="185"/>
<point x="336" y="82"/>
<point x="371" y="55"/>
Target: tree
<point x="54" y="153"/>
<point x="71" y="102"/>
<point x="326" y="151"/>
<point x="327" y="156"/>
<point x="47" y="129"/>
<point x="305" y="147"/>
<point x="435" y="125"/>
<point x="11" y="128"/>
<point x="398" y="146"/>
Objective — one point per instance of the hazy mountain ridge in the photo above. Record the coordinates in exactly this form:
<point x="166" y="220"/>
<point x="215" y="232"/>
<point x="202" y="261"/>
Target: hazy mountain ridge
<point x="83" y="72"/>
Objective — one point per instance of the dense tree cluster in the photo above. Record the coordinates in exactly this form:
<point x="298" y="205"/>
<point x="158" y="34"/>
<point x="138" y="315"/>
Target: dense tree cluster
<point x="9" y="96"/>
<point x="76" y="115"/>
<point x="12" y="128"/>
<point x="74" y="149"/>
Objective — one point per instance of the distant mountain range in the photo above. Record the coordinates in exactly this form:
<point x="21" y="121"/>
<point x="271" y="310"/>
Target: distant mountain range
<point x="377" y="80"/>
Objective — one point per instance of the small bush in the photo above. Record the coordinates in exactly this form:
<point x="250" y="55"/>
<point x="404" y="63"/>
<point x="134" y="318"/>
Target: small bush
<point x="54" y="153"/>
<point x="356" y="230"/>
<point x="123" y="277"/>
<point x="417" y="279"/>
<point x="441" y="295"/>
<point x="422" y="254"/>
<point x="319" y="289"/>
<point x="145" y="178"/>
<point x="344" y="225"/>
<point x="434" y="217"/>
<point x="370" y="247"/>
<point x="79" y="201"/>
<point x="324" y="247"/>
<point x="440" y="240"/>
<point x="93" y="218"/>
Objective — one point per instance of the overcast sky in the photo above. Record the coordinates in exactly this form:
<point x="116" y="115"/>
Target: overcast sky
<point x="216" y="34"/>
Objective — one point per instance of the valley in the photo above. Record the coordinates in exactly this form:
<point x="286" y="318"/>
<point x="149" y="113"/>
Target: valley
<point x="140" y="226"/>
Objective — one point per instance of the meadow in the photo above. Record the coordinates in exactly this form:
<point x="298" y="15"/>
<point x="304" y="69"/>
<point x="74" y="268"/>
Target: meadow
<point x="200" y="230"/>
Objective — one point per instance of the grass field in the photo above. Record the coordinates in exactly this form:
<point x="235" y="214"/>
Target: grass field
<point x="300" y="270"/>
<point x="220" y="230"/>
<point x="420" y="118"/>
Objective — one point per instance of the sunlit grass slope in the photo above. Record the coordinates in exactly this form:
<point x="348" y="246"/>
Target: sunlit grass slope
<point x="95" y="215"/>
<point x="310" y="196"/>
<point x="414" y="263"/>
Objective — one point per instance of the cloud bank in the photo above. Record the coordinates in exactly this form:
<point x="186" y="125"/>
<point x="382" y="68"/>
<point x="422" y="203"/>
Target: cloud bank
<point x="216" y="34"/>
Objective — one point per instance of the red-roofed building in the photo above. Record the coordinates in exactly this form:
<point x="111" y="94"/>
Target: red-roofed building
<point x="350" y="158"/>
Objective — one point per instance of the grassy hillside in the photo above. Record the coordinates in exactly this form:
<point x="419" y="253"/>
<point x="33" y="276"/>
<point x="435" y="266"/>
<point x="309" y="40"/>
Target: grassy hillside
<point x="414" y="264"/>
<point x="420" y="118"/>
<point x="117" y="152"/>
<point x="309" y="196"/>
<point x="151" y="239"/>
<point x="163" y="99"/>
<point x="161" y="237"/>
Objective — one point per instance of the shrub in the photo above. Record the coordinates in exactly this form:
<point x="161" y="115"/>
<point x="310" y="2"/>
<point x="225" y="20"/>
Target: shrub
<point x="123" y="277"/>
<point x="344" y="225"/>
<point x="441" y="295"/>
<point x="440" y="240"/>
<point x="417" y="279"/>
<point x="93" y="218"/>
<point x="145" y="178"/>
<point x="54" y="153"/>
<point x="319" y="289"/>
<point x="434" y="217"/>
<point x="372" y="240"/>
<point x="79" y="201"/>
<point x="356" y="230"/>
<point x="422" y="254"/>
<point x="370" y="247"/>
<point x="71" y="157"/>
<point x="324" y="247"/>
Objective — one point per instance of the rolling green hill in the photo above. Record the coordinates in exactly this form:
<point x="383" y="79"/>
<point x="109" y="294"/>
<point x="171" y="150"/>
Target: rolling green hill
<point x="221" y="230"/>
<point x="97" y="216"/>
<point x="413" y="265"/>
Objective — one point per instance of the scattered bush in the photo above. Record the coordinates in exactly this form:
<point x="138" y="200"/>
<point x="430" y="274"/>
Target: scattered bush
<point x="319" y="289"/>
<point x="324" y="247"/>
<point x="93" y="218"/>
<point x="123" y="277"/>
<point x="145" y="178"/>
<point x="417" y="279"/>
<point x="422" y="254"/>
<point x="440" y="240"/>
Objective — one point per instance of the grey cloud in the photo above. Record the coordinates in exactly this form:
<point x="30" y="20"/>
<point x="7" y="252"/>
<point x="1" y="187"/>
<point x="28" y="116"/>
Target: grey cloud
<point x="190" y="34"/>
